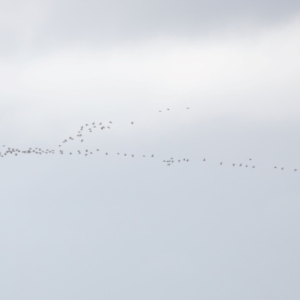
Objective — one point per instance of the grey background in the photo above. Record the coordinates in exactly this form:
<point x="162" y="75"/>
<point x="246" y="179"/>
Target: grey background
<point x="115" y="227"/>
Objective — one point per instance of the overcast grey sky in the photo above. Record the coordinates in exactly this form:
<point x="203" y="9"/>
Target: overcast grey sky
<point x="116" y="227"/>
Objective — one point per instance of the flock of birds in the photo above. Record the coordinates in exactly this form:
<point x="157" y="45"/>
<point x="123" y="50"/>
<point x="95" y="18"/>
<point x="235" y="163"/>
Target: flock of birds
<point x="90" y="128"/>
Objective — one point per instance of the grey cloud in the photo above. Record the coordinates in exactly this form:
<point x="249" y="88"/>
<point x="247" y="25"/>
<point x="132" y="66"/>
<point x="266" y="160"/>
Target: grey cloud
<point x="98" y="20"/>
<point x="103" y="23"/>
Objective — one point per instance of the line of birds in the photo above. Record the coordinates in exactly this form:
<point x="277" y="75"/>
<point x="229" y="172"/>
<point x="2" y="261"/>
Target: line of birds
<point x="87" y="152"/>
<point x="16" y="152"/>
<point x="93" y="126"/>
<point x="89" y="128"/>
<point x="171" y="160"/>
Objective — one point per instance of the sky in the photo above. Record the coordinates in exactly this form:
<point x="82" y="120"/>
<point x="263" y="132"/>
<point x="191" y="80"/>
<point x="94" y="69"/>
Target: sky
<point x="214" y="80"/>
